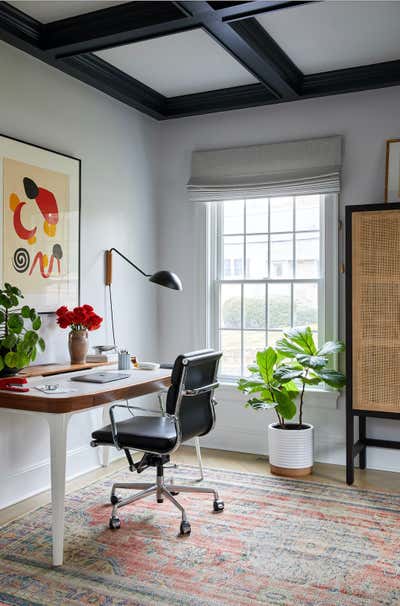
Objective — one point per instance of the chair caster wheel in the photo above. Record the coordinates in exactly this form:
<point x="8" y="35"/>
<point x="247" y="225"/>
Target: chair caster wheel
<point x="160" y="500"/>
<point x="185" y="528"/>
<point x="173" y="493"/>
<point x="115" y="499"/>
<point x="114" y="523"/>
<point x="219" y="505"/>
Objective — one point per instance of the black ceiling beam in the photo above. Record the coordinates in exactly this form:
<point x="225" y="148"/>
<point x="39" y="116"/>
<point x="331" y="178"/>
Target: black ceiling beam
<point x="353" y="79"/>
<point x="114" y="26"/>
<point x="23" y="32"/>
<point x="252" y="49"/>
<point x="231" y="11"/>
<point x="137" y="21"/>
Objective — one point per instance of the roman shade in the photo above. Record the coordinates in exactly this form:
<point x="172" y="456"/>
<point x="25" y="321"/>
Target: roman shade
<point x="278" y="169"/>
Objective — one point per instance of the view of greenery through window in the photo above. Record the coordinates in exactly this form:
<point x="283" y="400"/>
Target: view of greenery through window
<point x="269" y="273"/>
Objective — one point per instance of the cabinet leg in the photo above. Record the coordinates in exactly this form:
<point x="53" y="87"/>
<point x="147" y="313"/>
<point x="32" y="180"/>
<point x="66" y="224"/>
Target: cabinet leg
<point x="350" y="448"/>
<point x="362" y="433"/>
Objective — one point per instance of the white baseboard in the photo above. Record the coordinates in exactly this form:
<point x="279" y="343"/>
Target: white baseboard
<point x="30" y="480"/>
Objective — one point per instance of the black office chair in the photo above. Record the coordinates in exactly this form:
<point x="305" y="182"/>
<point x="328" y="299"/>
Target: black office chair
<point x="189" y="413"/>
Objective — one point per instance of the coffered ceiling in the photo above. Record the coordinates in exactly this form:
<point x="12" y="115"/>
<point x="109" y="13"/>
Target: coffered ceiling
<point x="173" y="59"/>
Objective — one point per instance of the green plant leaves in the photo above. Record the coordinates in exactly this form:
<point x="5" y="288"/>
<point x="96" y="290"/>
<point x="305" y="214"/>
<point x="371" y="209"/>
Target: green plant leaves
<point x="284" y="374"/>
<point x="266" y="360"/>
<point x="11" y="359"/>
<point x="18" y="343"/>
<point x="286" y="407"/>
<point x="334" y="378"/>
<point x="15" y="323"/>
<point x="331" y="347"/>
<point x="312" y="361"/>
<point x="287" y="348"/>
<point x="25" y="312"/>
<point x="302" y="337"/>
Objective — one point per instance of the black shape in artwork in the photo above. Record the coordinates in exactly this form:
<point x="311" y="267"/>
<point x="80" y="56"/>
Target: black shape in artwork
<point x="31" y="189"/>
<point x="57" y="251"/>
<point x="21" y="260"/>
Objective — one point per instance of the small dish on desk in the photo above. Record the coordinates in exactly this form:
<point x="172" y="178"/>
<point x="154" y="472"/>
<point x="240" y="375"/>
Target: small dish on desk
<point x="148" y="366"/>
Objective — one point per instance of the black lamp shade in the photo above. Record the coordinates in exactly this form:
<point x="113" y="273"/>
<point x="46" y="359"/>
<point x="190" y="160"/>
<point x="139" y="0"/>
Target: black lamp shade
<point x="167" y="279"/>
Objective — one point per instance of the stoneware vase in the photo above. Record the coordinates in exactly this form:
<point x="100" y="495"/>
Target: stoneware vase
<point x="291" y="451"/>
<point x="78" y="344"/>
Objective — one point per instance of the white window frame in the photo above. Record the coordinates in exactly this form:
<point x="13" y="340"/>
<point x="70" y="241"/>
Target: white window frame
<point x="328" y="282"/>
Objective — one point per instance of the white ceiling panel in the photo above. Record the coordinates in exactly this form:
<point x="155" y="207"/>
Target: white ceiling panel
<point x="332" y="35"/>
<point x="53" y="10"/>
<point x="179" y="64"/>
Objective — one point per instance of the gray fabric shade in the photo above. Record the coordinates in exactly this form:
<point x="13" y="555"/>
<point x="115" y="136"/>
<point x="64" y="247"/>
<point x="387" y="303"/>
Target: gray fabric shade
<point x="278" y="169"/>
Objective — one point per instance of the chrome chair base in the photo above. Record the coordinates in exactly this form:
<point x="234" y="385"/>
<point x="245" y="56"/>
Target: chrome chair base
<point x="160" y="489"/>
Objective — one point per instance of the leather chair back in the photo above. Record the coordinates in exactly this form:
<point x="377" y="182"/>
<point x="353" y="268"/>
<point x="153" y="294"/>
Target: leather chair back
<point x="196" y="412"/>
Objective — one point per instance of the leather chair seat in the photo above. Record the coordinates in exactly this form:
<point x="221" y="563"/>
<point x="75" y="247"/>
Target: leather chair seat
<point x="157" y="434"/>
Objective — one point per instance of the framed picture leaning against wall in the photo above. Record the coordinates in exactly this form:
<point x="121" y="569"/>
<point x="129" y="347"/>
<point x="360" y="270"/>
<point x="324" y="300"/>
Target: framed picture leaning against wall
<point x="41" y="194"/>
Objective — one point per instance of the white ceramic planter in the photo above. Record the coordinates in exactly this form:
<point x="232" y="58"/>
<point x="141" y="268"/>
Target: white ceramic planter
<point x="291" y="451"/>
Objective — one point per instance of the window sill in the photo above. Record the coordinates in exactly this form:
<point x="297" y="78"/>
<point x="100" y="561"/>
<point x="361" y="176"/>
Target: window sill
<point x="318" y="398"/>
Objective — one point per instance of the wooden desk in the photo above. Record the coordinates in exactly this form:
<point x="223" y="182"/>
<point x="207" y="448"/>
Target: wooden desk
<point x="57" y="409"/>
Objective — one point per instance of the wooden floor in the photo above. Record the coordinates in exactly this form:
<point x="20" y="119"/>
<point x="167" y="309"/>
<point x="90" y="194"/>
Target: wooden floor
<point x="375" y="480"/>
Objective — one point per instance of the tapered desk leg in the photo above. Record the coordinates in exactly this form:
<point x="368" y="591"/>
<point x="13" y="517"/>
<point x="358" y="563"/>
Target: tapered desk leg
<point x="58" y="425"/>
<point x="105" y="450"/>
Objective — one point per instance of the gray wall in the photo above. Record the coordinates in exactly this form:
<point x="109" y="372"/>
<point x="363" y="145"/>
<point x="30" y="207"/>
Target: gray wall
<point x="117" y="146"/>
<point x="365" y="120"/>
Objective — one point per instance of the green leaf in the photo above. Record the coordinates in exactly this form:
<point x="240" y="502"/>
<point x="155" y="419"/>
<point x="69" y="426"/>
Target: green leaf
<point x="286" y="407"/>
<point x="9" y="342"/>
<point x="302" y="337"/>
<point x="5" y="301"/>
<point x="334" y="378"/>
<point x="42" y="344"/>
<point x="311" y="380"/>
<point x="266" y="360"/>
<point x="32" y="314"/>
<point x="11" y="359"/>
<point x="284" y="374"/>
<point x="37" y="323"/>
<point x="287" y="349"/>
<point x="1" y="363"/>
<point x="2" y="317"/>
<point x="25" y="311"/>
<point x="31" y="338"/>
<point x="253" y="368"/>
<point x="312" y="361"/>
<point x="14" y="300"/>
<point x="331" y="347"/>
<point x="15" y="323"/>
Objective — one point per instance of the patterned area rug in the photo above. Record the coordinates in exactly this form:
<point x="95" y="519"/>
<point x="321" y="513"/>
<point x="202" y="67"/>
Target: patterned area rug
<point x="278" y="542"/>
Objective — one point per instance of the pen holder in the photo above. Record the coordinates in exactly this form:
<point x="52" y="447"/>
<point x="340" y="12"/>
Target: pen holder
<point x="124" y="360"/>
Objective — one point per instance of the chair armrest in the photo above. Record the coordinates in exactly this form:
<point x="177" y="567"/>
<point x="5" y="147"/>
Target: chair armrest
<point x="199" y="390"/>
<point x="114" y="427"/>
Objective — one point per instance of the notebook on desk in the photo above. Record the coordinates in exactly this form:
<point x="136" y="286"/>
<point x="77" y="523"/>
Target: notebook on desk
<point x="101" y="377"/>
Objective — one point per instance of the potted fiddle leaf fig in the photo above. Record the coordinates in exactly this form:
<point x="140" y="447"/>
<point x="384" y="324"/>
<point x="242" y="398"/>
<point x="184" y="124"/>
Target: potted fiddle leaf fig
<point x="19" y="326"/>
<point x="282" y="375"/>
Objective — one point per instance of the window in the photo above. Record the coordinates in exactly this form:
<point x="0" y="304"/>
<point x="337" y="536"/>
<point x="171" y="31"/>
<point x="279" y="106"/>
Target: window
<point x="273" y="267"/>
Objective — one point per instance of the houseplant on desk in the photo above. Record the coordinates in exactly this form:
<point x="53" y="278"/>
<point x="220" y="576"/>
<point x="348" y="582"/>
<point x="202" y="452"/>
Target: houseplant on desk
<point x="19" y="338"/>
<point x="278" y="381"/>
<point x="80" y="320"/>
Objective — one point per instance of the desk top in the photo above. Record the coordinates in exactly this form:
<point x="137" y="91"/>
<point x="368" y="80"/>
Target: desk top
<point x="85" y="395"/>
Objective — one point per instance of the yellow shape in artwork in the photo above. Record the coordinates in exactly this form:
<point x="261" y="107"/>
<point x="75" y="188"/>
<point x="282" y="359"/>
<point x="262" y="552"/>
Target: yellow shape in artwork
<point x="45" y="260"/>
<point x="32" y="240"/>
<point x="50" y="229"/>
<point x="14" y="201"/>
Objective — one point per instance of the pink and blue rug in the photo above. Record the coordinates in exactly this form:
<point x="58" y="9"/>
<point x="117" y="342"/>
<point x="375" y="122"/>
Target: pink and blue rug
<point x="279" y="542"/>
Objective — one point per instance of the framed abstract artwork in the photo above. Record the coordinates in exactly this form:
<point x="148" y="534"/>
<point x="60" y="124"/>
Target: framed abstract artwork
<point x="392" y="178"/>
<point x="41" y="194"/>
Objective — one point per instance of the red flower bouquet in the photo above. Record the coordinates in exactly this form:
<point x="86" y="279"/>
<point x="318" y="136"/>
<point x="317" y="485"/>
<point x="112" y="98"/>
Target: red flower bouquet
<point x="80" y="318"/>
